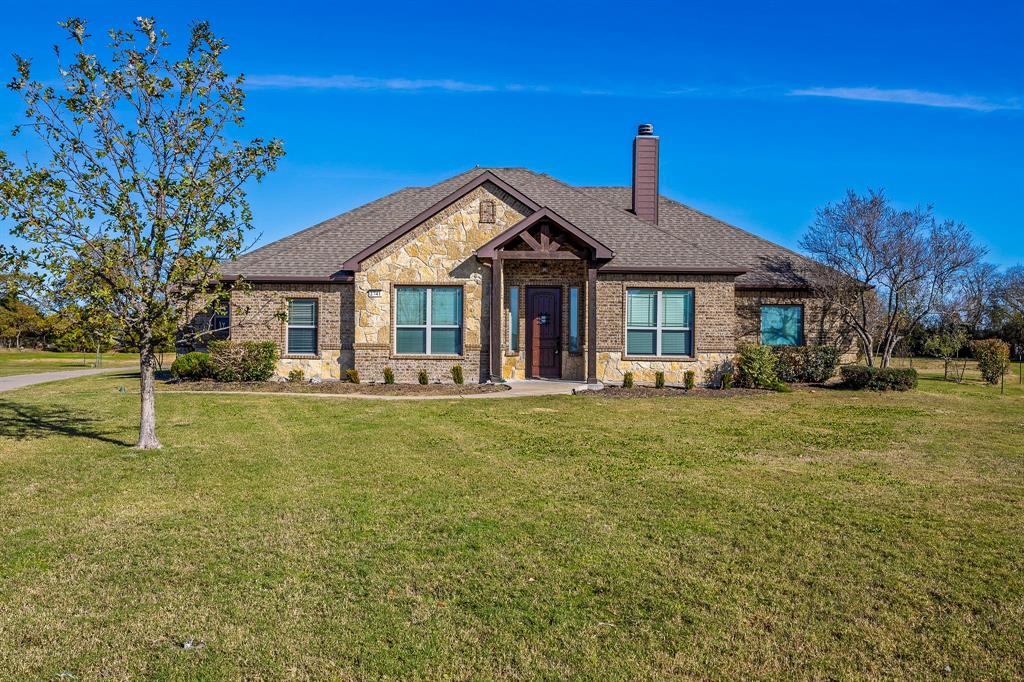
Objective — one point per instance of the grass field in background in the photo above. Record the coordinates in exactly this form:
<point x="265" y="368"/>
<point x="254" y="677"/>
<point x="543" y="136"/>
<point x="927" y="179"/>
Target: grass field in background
<point x="33" y="361"/>
<point x="823" y="534"/>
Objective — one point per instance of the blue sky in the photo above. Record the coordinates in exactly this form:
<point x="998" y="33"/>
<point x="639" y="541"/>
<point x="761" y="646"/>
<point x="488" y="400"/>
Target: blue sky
<point x="765" y="110"/>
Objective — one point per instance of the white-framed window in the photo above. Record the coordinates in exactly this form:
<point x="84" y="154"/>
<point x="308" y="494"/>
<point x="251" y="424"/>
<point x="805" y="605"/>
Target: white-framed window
<point x="513" y="319"/>
<point x="428" y="320"/>
<point x="659" y="322"/>
<point x="302" y="326"/>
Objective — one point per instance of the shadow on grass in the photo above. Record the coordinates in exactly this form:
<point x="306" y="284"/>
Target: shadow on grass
<point x="24" y="422"/>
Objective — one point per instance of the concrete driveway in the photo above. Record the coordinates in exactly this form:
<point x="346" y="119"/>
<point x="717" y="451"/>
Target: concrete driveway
<point x="21" y="380"/>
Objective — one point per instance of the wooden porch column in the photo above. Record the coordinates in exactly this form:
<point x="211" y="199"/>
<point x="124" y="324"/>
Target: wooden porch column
<point x="591" y="323"/>
<point x="494" y="337"/>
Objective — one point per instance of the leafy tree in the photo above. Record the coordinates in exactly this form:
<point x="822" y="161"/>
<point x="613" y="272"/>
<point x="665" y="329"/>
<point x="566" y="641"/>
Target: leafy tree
<point x="884" y="269"/>
<point x="141" y="193"/>
<point x="946" y="343"/>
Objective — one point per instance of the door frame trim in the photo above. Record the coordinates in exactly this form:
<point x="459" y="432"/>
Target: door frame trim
<point x="529" y="328"/>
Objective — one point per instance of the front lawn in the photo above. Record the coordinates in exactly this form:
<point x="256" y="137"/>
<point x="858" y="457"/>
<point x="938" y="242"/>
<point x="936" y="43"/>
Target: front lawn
<point x="823" y="534"/>
<point x="33" y="361"/>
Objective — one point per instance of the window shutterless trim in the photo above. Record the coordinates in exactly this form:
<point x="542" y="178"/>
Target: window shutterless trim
<point x="659" y="326"/>
<point x="513" y="318"/>
<point x="315" y="327"/>
<point x="801" y="341"/>
<point x="429" y="326"/>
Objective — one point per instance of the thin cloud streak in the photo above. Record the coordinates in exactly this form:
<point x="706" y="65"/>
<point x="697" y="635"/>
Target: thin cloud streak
<point x="908" y="96"/>
<point x="348" y="82"/>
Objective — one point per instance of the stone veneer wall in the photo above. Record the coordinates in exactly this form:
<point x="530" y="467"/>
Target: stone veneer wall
<point x="821" y="326"/>
<point x="714" y="328"/>
<point x="256" y="316"/>
<point x="440" y="252"/>
<point x="560" y="273"/>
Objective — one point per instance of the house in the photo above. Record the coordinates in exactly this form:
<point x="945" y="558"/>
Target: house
<point x="587" y="282"/>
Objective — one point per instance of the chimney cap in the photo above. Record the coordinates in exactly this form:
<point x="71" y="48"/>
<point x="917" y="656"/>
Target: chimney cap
<point x="645" y="129"/>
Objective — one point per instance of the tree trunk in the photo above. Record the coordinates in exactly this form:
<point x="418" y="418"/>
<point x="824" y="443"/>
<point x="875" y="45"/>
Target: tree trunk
<point x="147" y="420"/>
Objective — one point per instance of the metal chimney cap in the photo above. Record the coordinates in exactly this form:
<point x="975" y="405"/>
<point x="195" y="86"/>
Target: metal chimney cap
<point x="645" y="129"/>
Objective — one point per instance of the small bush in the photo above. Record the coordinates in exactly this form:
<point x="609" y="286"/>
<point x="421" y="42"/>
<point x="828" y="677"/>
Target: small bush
<point x="805" y="364"/>
<point x="352" y="375"/>
<point x="457" y="376"/>
<point x="689" y="379"/>
<point x="389" y="375"/>
<point x="192" y="366"/>
<point x="755" y="367"/>
<point x="860" y="377"/>
<point x="993" y="358"/>
<point x="423" y="378"/>
<point x="727" y="380"/>
<point x="296" y="376"/>
<point x="659" y="380"/>
<point x="246" y="361"/>
<point x="627" y="380"/>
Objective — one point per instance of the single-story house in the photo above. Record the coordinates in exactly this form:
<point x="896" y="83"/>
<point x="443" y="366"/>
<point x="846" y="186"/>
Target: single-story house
<point x="514" y="274"/>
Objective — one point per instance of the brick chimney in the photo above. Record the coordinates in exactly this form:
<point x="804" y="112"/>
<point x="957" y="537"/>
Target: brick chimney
<point x="645" y="173"/>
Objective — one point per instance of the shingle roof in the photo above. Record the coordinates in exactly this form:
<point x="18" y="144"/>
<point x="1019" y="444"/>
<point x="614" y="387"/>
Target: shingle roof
<point x="684" y="238"/>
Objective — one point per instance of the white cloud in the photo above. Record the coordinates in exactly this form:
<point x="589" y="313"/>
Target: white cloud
<point x="909" y="96"/>
<point x="347" y="82"/>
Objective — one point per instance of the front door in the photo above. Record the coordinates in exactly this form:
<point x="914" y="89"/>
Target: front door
<point x="544" y="331"/>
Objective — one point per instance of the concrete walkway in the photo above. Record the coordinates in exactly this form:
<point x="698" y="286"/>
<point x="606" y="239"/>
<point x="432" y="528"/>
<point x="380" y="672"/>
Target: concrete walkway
<point x="517" y="389"/>
<point x="21" y="380"/>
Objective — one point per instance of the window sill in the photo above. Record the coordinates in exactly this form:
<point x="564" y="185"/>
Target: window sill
<point x="300" y="356"/>
<point x="424" y="356"/>
<point x="661" y="358"/>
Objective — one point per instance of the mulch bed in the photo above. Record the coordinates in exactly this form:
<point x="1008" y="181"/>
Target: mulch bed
<point x="333" y="388"/>
<point x="671" y="392"/>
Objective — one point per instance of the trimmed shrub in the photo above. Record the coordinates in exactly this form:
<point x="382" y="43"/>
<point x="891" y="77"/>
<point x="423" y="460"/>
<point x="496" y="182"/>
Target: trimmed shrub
<point x="727" y="380"/>
<point x="627" y="380"/>
<point x="993" y="358"/>
<point x="860" y="377"/>
<point x="296" y="376"/>
<point x="689" y="379"/>
<point x="192" y="366"/>
<point x="755" y="367"/>
<point x="457" y="376"/>
<point x="659" y="380"/>
<point x="389" y="375"/>
<point x="246" y="361"/>
<point x="423" y="378"/>
<point x="805" y="364"/>
<point x="352" y="375"/>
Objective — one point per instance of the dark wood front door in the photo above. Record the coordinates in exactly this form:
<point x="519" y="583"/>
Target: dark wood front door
<point x="544" y="331"/>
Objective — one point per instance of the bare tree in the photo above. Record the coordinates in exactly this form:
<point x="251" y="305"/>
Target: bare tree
<point x="885" y="269"/>
<point x="141" y="194"/>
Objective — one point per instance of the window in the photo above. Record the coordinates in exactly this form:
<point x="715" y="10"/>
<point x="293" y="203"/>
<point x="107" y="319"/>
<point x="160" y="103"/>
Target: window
<point x="302" y="326"/>
<point x="513" y="319"/>
<point x="782" y="325"/>
<point x="659" y="322"/>
<point x="574" y="319"/>
<point x="428" y="320"/>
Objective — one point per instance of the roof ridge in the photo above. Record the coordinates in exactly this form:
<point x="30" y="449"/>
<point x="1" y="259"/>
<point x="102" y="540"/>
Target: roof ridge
<point x="652" y="225"/>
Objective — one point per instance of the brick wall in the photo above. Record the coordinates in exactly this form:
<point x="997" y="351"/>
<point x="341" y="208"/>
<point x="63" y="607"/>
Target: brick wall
<point x="821" y="325"/>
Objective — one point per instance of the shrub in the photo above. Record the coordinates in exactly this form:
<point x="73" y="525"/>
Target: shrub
<point x="879" y="378"/>
<point x="689" y="379"/>
<point x="296" y="375"/>
<point x="755" y="367"/>
<point x="192" y="366"/>
<point x="352" y="375"/>
<point x="627" y="380"/>
<point x="423" y="378"/>
<point x="805" y="364"/>
<point x="389" y="375"/>
<point x="457" y="374"/>
<point x="659" y="380"/>
<point x="727" y="380"/>
<point x="993" y="358"/>
<point x="246" y="361"/>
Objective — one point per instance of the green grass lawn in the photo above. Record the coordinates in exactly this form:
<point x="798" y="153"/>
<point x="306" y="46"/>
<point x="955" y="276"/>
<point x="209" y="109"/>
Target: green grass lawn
<point x="33" y="361"/>
<point x="824" y="534"/>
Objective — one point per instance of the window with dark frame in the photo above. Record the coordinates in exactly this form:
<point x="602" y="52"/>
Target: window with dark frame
<point x="513" y="319"/>
<point x="782" y="325"/>
<point x="574" y="319"/>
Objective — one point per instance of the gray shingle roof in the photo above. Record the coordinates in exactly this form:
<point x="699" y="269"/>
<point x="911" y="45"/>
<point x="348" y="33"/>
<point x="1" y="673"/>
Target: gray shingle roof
<point x="684" y="239"/>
